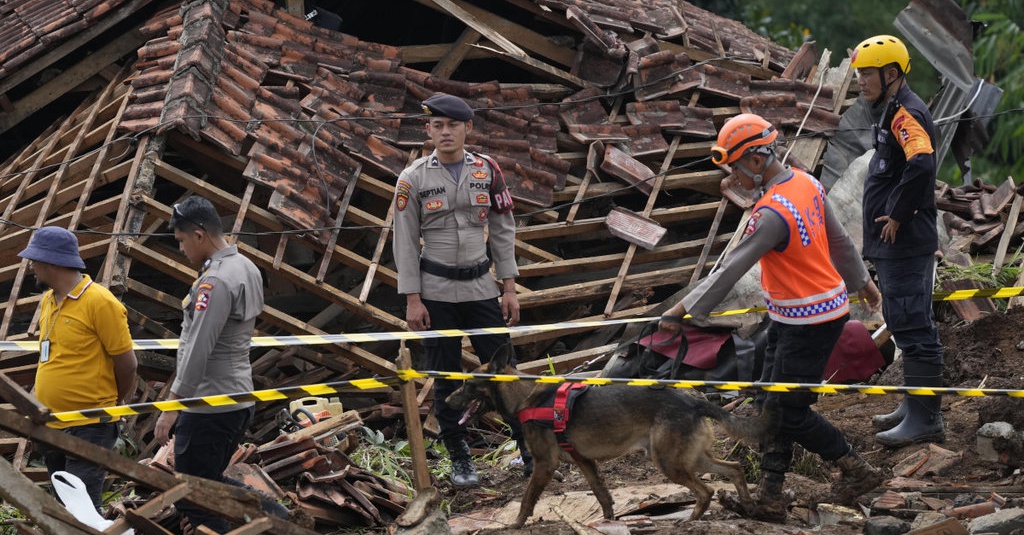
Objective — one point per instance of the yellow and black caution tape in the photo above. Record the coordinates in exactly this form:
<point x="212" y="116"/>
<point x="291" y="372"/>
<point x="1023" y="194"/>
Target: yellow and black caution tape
<point x="323" y="389"/>
<point x="819" y="388"/>
<point x="356" y="338"/>
<point x="222" y="400"/>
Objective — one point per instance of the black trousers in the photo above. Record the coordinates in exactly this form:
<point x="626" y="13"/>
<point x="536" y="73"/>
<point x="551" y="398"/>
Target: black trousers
<point x="92" y="475"/>
<point x="445" y="354"/>
<point x="203" y="446"/>
<point x="798" y="354"/>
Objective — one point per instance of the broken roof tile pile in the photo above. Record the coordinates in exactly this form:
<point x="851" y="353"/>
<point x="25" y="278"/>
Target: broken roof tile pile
<point x="260" y="83"/>
<point x="30" y="28"/>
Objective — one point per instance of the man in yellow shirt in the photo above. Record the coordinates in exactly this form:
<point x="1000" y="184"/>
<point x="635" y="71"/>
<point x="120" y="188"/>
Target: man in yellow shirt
<point x="86" y="359"/>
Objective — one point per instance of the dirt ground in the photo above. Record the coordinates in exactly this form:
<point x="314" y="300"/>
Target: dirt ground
<point x="984" y="353"/>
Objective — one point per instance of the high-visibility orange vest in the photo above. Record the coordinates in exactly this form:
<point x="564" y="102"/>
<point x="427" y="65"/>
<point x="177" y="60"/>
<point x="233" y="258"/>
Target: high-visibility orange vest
<point x="800" y="284"/>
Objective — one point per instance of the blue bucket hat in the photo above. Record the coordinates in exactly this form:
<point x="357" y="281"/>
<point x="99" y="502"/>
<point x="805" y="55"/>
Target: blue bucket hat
<point x="54" y="245"/>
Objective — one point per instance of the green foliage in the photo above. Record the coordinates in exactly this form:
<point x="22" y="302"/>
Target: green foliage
<point x="381" y="457"/>
<point x="8" y="515"/>
<point x="997" y="52"/>
<point x="836" y="26"/>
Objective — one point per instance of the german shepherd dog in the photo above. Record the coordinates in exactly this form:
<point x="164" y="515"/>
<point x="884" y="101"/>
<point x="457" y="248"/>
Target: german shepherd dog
<point x="610" y="421"/>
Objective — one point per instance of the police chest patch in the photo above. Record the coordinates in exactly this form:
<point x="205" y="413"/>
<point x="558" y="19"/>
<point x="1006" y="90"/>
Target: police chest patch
<point x="479" y="174"/>
<point x="202" y="300"/>
<point x="482" y="198"/>
<point x="483" y="214"/>
<point x="433" y="205"/>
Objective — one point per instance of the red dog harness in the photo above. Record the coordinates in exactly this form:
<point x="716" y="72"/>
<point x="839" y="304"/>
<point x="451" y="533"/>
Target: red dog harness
<point x="555" y="411"/>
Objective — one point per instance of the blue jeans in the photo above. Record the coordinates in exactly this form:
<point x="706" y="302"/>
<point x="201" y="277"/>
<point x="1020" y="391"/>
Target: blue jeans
<point x="798" y="354"/>
<point x="103" y="435"/>
<point x="906" y="285"/>
<point x="203" y="446"/>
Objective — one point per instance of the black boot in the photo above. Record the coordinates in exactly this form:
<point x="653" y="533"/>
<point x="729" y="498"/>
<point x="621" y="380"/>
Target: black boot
<point x="884" y="422"/>
<point x="922" y="424"/>
<point x="463" y="473"/>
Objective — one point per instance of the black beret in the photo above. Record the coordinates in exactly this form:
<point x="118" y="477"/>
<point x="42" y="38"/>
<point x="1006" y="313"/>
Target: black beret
<point x="445" y="105"/>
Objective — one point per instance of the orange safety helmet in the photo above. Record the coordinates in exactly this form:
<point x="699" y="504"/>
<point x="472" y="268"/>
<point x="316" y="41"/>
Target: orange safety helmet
<point x="879" y="51"/>
<point x="740" y="134"/>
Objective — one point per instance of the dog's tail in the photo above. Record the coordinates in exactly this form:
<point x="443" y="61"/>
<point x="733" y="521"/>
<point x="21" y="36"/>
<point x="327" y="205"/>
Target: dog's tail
<point x="750" y="428"/>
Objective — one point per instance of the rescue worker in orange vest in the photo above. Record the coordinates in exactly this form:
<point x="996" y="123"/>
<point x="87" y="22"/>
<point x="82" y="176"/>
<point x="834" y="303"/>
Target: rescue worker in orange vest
<point x="807" y="263"/>
<point x="900" y="237"/>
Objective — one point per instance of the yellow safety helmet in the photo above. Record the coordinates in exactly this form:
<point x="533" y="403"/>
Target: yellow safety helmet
<point x="879" y="51"/>
<point x="740" y="134"/>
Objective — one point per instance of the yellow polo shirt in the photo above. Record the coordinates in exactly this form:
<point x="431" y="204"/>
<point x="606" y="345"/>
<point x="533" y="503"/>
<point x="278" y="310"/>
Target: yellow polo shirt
<point x="84" y="331"/>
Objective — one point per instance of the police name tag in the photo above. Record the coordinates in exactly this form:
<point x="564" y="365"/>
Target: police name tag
<point x="44" y="351"/>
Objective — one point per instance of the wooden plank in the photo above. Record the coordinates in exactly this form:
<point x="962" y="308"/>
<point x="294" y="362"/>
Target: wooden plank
<point x="346" y="200"/>
<point x="141" y="178"/>
<point x="71" y="150"/>
<point x="26" y="403"/>
<point x="453" y="58"/>
<point x="596" y="289"/>
<point x="522" y="36"/>
<point x="243" y="210"/>
<point x="412" y="54"/>
<point x="593" y="153"/>
<point x="537" y="67"/>
<point x="467" y="18"/>
<point x="263" y="217"/>
<point x="664" y="216"/>
<point x="651" y="198"/>
<point x="73" y="44"/>
<point x="235" y="503"/>
<point x="102" y="161"/>
<point x="672" y="251"/>
<point x="712" y="234"/>
<point x="151" y="508"/>
<point x="71" y="78"/>
<point x="1004" y="240"/>
<point x="38" y="506"/>
<point x="413" y="425"/>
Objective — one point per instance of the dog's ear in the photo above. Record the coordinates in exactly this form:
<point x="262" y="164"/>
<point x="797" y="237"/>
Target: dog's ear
<point x="502" y="359"/>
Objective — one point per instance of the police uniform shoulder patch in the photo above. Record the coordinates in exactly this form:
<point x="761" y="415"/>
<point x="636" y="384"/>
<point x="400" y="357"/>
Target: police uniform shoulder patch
<point x="752" y="223"/>
<point x="205" y="286"/>
<point x="203" y="299"/>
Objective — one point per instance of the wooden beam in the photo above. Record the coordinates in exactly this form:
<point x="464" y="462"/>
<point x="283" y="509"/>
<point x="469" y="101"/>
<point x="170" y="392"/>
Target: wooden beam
<point x="628" y="260"/>
<point x="73" y="44"/>
<point x="471" y="20"/>
<point x="453" y="58"/>
<point x="663" y="216"/>
<point x="66" y="81"/>
<point x="37" y="505"/>
<point x="235" y="503"/>
<point x="537" y="67"/>
<point x="522" y="36"/>
<point x="670" y="252"/>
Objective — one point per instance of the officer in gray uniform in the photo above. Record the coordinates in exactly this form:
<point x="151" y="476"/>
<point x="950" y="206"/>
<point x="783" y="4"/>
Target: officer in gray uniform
<point x="213" y="356"/>
<point x="448" y="199"/>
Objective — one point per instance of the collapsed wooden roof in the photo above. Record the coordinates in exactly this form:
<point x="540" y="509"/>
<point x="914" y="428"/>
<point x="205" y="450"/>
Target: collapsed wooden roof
<point x="297" y="134"/>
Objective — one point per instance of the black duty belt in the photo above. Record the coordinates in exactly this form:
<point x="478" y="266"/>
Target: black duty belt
<point x="455" y="272"/>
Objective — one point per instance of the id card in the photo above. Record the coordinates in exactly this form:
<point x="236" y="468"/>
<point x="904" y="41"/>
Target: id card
<point x="44" y="351"/>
